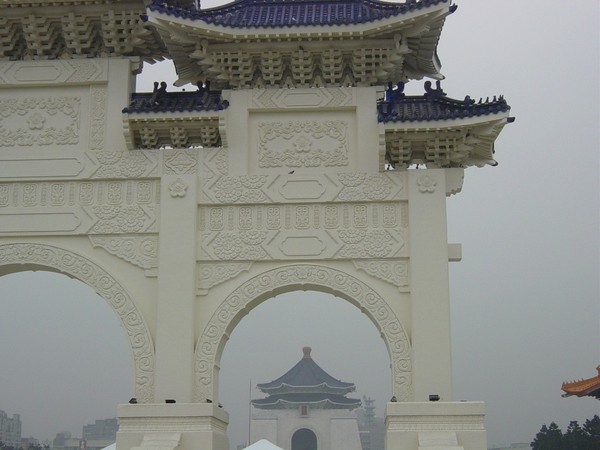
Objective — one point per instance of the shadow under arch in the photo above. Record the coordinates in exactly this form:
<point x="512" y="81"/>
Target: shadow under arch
<point x="251" y="293"/>
<point x="26" y="256"/>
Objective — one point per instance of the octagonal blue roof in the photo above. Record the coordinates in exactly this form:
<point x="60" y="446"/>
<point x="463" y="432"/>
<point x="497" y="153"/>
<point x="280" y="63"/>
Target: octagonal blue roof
<point x="306" y="377"/>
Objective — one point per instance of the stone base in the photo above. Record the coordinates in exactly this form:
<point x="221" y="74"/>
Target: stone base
<point x="435" y="426"/>
<point x="186" y="426"/>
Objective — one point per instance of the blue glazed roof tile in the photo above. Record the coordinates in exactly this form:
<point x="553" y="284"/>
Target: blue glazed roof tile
<point x="162" y="101"/>
<point x="290" y="13"/>
<point x="433" y="105"/>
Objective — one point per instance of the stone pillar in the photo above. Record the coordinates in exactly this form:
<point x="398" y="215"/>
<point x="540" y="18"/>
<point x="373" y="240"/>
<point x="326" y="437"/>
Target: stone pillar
<point x="432" y="364"/>
<point x="188" y="426"/>
<point x="435" y="426"/>
<point x="174" y="342"/>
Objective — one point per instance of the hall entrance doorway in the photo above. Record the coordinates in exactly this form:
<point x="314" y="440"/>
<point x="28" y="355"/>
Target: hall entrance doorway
<point x="304" y="439"/>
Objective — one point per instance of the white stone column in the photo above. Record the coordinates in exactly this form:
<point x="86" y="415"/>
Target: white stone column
<point x="429" y="284"/>
<point x="174" y="341"/>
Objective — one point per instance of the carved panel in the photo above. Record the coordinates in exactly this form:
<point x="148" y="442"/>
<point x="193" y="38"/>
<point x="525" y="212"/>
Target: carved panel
<point x="125" y="164"/>
<point x="139" y="250"/>
<point x="296" y="231"/>
<point x="331" y="97"/>
<point x="210" y="275"/>
<point x="305" y="275"/>
<point x="54" y="72"/>
<point x="394" y="272"/>
<point x="42" y="121"/>
<point x="80" y="207"/>
<point x="109" y="289"/>
<point x="98" y="117"/>
<point x="299" y="143"/>
<point x="178" y="162"/>
<point x="81" y="193"/>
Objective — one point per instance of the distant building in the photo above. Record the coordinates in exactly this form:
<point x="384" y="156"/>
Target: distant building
<point x="63" y="441"/>
<point x="519" y="446"/>
<point x="370" y="427"/>
<point x="29" y="442"/>
<point x="10" y="430"/>
<point x="105" y="429"/>
<point x="306" y="409"/>
<point x="583" y="388"/>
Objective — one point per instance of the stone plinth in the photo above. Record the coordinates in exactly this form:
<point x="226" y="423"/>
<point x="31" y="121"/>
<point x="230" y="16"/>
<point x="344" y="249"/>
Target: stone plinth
<point x="166" y="426"/>
<point x="435" y="425"/>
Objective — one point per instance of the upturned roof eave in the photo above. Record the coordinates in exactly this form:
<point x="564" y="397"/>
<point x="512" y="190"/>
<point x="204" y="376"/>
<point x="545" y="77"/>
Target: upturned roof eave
<point x="411" y="125"/>
<point x="191" y="30"/>
<point x="270" y="390"/>
<point x="282" y="402"/>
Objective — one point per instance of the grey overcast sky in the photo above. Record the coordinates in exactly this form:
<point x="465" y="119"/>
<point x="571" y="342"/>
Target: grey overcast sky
<point x="525" y="300"/>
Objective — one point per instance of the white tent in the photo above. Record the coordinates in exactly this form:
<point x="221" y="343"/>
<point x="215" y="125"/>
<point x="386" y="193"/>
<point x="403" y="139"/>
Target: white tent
<point x="263" y="444"/>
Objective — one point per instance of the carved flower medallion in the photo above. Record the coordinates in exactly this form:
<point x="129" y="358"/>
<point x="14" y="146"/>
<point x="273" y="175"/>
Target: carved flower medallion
<point x="426" y="184"/>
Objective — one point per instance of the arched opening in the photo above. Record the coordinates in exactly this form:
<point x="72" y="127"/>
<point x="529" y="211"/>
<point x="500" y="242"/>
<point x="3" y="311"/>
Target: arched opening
<point x="304" y="439"/>
<point x="20" y="257"/>
<point x="66" y="360"/>
<point x="268" y="341"/>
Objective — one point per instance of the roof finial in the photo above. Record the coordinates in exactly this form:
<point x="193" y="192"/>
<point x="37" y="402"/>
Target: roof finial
<point x="306" y="351"/>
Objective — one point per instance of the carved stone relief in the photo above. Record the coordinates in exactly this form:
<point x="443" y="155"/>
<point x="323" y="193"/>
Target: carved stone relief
<point x="178" y="162"/>
<point x="139" y="250"/>
<point x="426" y="184"/>
<point x="98" y="117"/>
<point x="210" y="275"/>
<point x="82" y="207"/>
<point x="178" y="188"/>
<point x="332" y="97"/>
<point x="394" y="272"/>
<point x="307" y="143"/>
<point x="54" y="72"/>
<point x="305" y="276"/>
<point x="125" y="164"/>
<point x="109" y="289"/>
<point x="42" y="121"/>
<point x="346" y="231"/>
<point x="219" y="187"/>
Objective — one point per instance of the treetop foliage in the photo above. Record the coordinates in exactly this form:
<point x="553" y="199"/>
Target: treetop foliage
<point x="575" y="438"/>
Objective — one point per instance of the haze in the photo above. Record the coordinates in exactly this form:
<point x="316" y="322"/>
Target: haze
<point x="524" y="300"/>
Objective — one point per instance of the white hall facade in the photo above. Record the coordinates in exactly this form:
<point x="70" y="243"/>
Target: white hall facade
<point x="293" y="166"/>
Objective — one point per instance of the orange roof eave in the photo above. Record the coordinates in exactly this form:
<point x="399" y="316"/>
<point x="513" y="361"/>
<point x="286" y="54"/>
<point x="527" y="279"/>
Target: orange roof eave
<point x="582" y="387"/>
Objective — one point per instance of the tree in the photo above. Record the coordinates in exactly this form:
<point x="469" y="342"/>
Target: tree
<point x="575" y="438"/>
<point x="591" y="428"/>
<point x="548" y="438"/>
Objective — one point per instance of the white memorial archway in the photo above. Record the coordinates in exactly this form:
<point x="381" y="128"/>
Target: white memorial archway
<point x="298" y="161"/>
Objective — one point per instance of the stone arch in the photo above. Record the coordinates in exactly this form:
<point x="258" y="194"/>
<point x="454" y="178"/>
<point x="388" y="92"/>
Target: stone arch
<point x="47" y="257"/>
<point x="236" y="305"/>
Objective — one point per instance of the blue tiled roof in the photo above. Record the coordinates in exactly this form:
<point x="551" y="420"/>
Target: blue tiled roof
<point x="201" y="100"/>
<point x="308" y="376"/>
<point x="290" y="13"/>
<point x="433" y="105"/>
